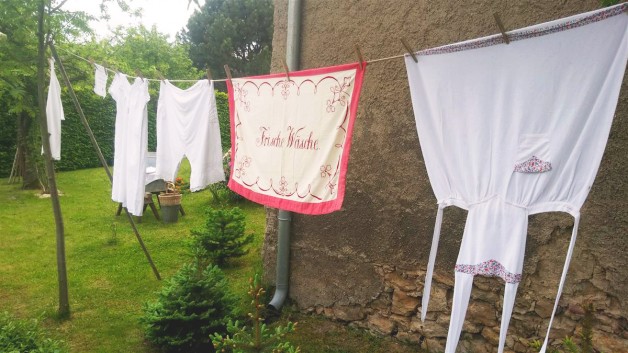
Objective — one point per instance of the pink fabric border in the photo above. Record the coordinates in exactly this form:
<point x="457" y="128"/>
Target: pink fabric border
<point x="295" y="206"/>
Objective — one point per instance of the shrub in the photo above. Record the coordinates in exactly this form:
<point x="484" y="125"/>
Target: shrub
<point x="18" y="336"/>
<point x="192" y="305"/>
<point x="223" y="236"/>
<point x="258" y="338"/>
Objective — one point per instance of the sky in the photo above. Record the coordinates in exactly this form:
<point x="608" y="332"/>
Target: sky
<point x="170" y="16"/>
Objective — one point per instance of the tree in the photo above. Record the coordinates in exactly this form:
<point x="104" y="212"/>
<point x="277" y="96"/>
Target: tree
<point x="194" y="304"/>
<point x="18" y="72"/>
<point x="223" y="236"/>
<point x="234" y="32"/>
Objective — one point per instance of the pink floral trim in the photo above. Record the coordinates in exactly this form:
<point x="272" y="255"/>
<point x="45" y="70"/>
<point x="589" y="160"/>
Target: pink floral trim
<point x="526" y="34"/>
<point x="490" y="268"/>
<point x="533" y="165"/>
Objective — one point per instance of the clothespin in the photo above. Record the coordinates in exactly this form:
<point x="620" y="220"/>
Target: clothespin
<point x="91" y="61"/>
<point x="228" y="71"/>
<point x="285" y="67"/>
<point x="409" y="50"/>
<point x="501" y="28"/>
<point x="360" y="57"/>
<point x="209" y="74"/>
<point x="139" y="74"/>
<point x="161" y="77"/>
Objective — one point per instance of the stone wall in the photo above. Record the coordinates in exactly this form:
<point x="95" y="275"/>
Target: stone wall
<point x="365" y="264"/>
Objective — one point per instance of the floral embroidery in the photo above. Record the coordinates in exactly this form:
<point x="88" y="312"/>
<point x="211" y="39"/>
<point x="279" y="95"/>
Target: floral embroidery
<point x="331" y="186"/>
<point x="526" y="34"/>
<point x="240" y="94"/>
<point x="533" y="165"/>
<point x="283" y="186"/>
<point x="325" y="171"/>
<point x="340" y="95"/>
<point x="285" y="89"/>
<point x="490" y="268"/>
<point x="244" y="163"/>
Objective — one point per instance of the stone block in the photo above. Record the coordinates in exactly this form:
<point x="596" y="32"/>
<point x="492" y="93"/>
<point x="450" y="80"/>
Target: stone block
<point x="381" y="324"/>
<point x="403" y="304"/>
<point x="409" y="337"/>
<point x="492" y="336"/>
<point x="399" y="281"/>
<point x="482" y="312"/>
<point x="438" y="298"/>
<point x="349" y="313"/>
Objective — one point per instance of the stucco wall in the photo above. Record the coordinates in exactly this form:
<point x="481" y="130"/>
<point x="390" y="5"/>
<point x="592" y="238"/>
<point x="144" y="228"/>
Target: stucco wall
<point x="365" y="264"/>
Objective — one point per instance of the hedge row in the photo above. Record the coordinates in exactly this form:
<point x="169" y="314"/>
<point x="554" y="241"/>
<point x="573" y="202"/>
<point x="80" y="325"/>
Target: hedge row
<point x="76" y="149"/>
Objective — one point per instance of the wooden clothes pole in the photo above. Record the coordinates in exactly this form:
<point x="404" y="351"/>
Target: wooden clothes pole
<point x="100" y="155"/>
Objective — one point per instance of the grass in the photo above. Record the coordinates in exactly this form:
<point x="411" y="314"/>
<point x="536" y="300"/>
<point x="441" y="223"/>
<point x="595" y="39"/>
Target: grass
<point x="109" y="277"/>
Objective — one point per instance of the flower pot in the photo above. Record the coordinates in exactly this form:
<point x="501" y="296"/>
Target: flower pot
<point x="170" y="204"/>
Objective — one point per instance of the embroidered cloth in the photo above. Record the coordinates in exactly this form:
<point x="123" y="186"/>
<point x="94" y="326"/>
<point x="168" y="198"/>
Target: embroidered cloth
<point x="512" y="130"/>
<point x="290" y="137"/>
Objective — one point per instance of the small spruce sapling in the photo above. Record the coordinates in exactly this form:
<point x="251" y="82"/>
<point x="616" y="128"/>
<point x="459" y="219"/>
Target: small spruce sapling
<point x="222" y="237"/>
<point x="192" y="305"/>
<point x="258" y="338"/>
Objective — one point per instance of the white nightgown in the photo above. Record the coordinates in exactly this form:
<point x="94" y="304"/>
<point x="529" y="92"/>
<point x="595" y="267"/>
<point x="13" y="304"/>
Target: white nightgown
<point x="512" y="130"/>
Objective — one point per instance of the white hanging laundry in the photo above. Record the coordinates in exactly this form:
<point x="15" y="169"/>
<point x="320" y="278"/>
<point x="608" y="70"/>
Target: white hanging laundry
<point x="100" y="80"/>
<point x="54" y="113"/>
<point x="131" y="142"/>
<point x="512" y="130"/>
<point x="187" y="125"/>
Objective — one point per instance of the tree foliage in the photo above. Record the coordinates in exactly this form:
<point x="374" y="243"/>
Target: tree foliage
<point x="193" y="304"/>
<point x="223" y="235"/>
<point x="234" y="32"/>
<point x="258" y="337"/>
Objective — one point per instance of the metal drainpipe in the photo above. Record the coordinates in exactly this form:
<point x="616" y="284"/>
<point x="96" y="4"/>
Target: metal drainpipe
<point x="285" y="217"/>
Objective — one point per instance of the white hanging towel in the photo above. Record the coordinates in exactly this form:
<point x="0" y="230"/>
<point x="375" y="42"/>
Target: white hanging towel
<point x="100" y="80"/>
<point x="187" y="125"/>
<point x="131" y="142"/>
<point x="54" y="113"/>
<point x="508" y="131"/>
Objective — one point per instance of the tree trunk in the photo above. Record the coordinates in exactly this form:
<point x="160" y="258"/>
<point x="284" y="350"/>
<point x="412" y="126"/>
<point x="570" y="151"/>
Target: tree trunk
<point x="64" y="303"/>
<point x="26" y="158"/>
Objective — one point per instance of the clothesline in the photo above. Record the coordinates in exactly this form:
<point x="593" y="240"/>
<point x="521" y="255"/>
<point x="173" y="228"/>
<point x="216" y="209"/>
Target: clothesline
<point x="219" y="80"/>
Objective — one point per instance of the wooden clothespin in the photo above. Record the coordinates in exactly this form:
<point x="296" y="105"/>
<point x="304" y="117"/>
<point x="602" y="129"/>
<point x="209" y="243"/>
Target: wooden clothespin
<point x="209" y="74"/>
<point x="228" y="71"/>
<point x="91" y="61"/>
<point x="161" y="77"/>
<point x="501" y="28"/>
<point x="285" y="67"/>
<point x="409" y="50"/>
<point x="139" y="74"/>
<point x="360" y="57"/>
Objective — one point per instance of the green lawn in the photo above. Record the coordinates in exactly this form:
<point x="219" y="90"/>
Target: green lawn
<point x="108" y="274"/>
<point x="109" y="277"/>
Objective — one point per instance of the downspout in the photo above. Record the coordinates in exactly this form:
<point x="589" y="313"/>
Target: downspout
<point x="284" y="217"/>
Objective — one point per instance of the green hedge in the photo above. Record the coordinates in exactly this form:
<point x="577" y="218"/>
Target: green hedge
<point x="76" y="149"/>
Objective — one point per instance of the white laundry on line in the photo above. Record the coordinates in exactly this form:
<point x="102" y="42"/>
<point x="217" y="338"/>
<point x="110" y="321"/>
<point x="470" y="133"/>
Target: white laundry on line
<point x="130" y="142"/>
<point x="54" y="113"/>
<point x="508" y="131"/>
<point x="187" y="125"/>
<point x="100" y="80"/>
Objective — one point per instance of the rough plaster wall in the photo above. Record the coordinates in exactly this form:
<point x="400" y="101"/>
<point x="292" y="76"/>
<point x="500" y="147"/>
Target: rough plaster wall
<point x="365" y="264"/>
